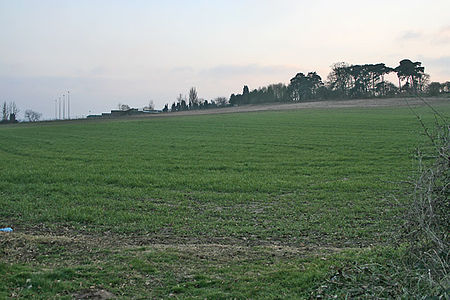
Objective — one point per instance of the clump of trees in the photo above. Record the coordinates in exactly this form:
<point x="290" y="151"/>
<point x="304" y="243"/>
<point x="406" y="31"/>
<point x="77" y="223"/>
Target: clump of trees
<point x="193" y="102"/>
<point x="9" y="112"/>
<point x="436" y="88"/>
<point x="354" y="81"/>
<point x="123" y="107"/>
<point x="413" y="73"/>
<point x="345" y="81"/>
<point x="271" y="93"/>
<point x="304" y="87"/>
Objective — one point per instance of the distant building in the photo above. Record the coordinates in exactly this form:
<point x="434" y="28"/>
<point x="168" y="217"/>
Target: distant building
<point x="116" y="113"/>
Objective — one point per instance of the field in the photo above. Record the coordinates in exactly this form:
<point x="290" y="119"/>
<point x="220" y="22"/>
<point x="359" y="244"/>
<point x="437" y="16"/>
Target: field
<point x="249" y="205"/>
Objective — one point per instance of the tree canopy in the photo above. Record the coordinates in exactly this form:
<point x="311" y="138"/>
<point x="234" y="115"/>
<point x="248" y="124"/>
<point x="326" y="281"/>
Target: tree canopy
<point x="344" y="81"/>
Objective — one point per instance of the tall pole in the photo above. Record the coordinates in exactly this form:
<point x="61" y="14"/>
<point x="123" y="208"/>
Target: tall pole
<point x="64" y="106"/>
<point x="68" y="105"/>
<point x="59" y="106"/>
<point x="56" y="109"/>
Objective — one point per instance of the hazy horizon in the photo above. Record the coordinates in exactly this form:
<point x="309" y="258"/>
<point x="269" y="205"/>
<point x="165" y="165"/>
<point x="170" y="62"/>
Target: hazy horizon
<point x="106" y="52"/>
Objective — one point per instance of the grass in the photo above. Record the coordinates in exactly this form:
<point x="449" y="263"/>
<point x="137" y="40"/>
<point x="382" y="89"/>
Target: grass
<point x="247" y="205"/>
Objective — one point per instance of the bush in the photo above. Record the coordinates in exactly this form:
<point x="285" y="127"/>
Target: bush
<point x="427" y="221"/>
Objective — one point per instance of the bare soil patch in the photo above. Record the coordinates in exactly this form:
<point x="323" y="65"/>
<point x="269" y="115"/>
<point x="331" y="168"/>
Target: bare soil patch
<point x="66" y="250"/>
<point x="93" y="293"/>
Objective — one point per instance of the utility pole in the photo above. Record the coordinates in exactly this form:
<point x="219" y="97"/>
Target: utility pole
<point x="68" y="105"/>
<point x="64" y="107"/>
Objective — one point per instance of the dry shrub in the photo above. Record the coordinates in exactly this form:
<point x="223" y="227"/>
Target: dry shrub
<point x="427" y="216"/>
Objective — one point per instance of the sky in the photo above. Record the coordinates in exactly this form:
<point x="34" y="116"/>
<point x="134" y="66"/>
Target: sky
<point x="107" y="52"/>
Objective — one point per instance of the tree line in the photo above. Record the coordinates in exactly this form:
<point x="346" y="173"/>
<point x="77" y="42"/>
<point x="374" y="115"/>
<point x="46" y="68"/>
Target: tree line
<point x="193" y="102"/>
<point x="345" y="81"/>
<point x="10" y="112"/>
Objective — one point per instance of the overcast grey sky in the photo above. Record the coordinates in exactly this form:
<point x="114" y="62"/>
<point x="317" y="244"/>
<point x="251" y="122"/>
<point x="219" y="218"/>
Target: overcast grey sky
<point x="111" y="51"/>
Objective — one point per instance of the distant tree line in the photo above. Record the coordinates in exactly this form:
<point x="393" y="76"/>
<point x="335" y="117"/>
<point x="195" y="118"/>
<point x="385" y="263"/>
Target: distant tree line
<point x="345" y="81"/>
<point x="9" y="112"/>
<point x="194" y="102"/>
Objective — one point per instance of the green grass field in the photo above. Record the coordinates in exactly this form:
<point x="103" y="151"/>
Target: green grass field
<point x="248" y="205"/>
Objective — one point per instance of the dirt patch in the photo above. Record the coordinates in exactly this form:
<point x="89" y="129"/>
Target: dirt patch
<point x="93" y="293"/>
<point x="225" y="253"/>
<point x="53" y="249"/>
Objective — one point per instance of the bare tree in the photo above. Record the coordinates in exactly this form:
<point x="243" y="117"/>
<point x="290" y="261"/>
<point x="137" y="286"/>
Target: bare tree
<point x="4" y="111"/>
<point x="180" y="98"/>
<point x="151" y="106"/>
<point x="32" y="116"/>
<point x="123" y="106"/>
<point x="193" y="97"/>
<point x="221" y="101"/>
<point x="13" y="109"/>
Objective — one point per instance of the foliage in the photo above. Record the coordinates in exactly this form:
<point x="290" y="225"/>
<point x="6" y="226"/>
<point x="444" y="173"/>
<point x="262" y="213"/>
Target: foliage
<point x="434" y="88"/>
<point x="410" y="71"/>
<point x="304" y="87"/>
<point x="359" y="80"/>
<point x="339" y="78"/>
<point x="345" y="81"/>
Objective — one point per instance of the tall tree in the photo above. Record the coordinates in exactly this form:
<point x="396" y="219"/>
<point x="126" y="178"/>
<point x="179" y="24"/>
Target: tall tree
<point x="315" y="81"/>
<point x="303" y="87"/>
<point x="4" y="111"/>
<point x="339" y="78"/>
<point x="233" y="99"/>
<point x="245" y="99"/>
<point x="181" y="102"/>
<point x="379" y="71"/>
<point x="410" y="71"/>
<point x="12" y="108"/>
<point x="298" y="87"/>
<point x="279" y="92"/>
<point x="193" y="98"/>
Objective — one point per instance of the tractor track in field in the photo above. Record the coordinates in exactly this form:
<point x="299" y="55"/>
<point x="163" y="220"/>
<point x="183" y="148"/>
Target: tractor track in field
<point x="29" y="248"/>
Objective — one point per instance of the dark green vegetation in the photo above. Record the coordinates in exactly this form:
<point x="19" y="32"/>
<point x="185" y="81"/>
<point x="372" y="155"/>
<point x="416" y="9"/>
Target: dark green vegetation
<point x="270" y="204"/>
<point x="345" y="81"/>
